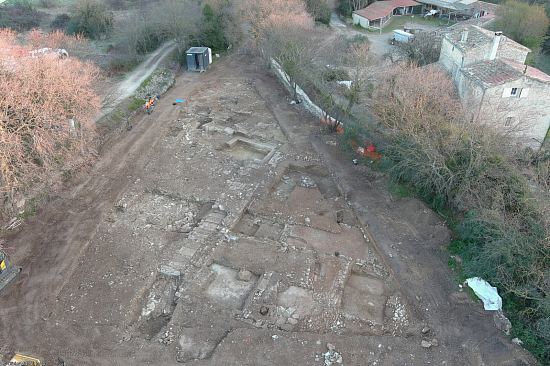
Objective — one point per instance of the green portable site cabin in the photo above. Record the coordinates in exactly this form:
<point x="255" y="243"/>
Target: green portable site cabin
<point x="198" y="58"/>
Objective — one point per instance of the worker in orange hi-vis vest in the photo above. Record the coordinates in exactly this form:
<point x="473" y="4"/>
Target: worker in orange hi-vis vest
<point x="149" y="105"/>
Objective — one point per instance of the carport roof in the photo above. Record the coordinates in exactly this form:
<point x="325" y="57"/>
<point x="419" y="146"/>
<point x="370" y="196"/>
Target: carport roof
<point x="380" y="9"/>
<point x="197" y="50"/>
<point x="451" y="4"/>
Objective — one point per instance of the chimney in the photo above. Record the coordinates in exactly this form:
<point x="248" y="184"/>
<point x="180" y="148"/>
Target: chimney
<point x="494" y="48"/>
<point x="464" y="36"/>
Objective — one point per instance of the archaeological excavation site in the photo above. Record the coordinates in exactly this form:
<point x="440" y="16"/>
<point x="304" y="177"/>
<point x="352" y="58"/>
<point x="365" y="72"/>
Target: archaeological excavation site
<point x="231" y="230"/>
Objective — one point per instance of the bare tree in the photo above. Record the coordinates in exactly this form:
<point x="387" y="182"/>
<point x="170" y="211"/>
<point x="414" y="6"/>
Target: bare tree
<point x="360" y="61"/>
<point x="424" y="48"/>
<point x="262" y="16"/>
<point x="46" y="115"/>
<point x="151" y="24"/>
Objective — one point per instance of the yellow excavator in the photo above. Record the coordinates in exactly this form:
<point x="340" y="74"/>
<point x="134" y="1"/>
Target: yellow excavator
<point x="22" y="360"/>
<point x="8" y="271"/>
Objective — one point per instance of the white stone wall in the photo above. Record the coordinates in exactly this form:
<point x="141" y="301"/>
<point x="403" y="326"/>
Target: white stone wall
<point x="357" y="19"/>
<point x="529" y="111"/>
<point x="450" y="57"/>
<point x="306" y="102"/>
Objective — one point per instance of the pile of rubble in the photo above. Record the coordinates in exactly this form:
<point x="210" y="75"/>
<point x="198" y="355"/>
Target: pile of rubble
<point x="157" y="84"/>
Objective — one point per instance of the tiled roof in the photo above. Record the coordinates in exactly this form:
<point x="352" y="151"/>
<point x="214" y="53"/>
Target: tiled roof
<point x="380" y="9"/>
<point x="532" y="72"/>
<point x="450" y="4"/>
<point x="483" y="5"/>
<point x="197" y="50"/>
<point x="491" y="73"/>
<point x="478" y="37"/>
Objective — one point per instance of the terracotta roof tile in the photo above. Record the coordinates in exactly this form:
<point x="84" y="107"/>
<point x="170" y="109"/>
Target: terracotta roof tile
<point x="380" y="9"/>
<point x="532" y="72"/>
<point x="491" y="73"/>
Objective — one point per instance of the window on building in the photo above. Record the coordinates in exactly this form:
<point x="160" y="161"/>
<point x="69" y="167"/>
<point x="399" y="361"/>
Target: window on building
<point x="509" y="121"/>
<point x="511" y="92"/>
<point x="524" y="93"/>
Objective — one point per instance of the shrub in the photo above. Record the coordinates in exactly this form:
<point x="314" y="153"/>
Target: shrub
<point x="148" y="39"/>
<point x="19" y="17"/>
<point x="61" y="21"/>
<point x="319" y="10"/>
<point x="91" y="19"/>
<point x="213" y="32"/>
<point x="331" y="74"/>
<point x="504" y="233"/>
<point x="344" y="8"/>
<point x="152" y="25"/>
<point x="123" y="63"/>
<point x="135" y="104"/>
<point x="525" y="23"/>
<point x="38" y="139"/>
<point x="47" y="3"/>
<point x="424" y="49"/>
<point x="116" y="4"/>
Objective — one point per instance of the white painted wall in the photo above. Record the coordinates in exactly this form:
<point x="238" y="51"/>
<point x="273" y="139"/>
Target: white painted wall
<point x="357" y="19"/>
<point x="306" y="102"/>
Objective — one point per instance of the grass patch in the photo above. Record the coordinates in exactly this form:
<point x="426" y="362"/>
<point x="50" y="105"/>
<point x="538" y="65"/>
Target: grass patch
<point x="400" y="190"/>
<point x="135" y="104"/>
<point x="31" y="206"/>
<point x="542" y="62"/>
<point x="146" y="82"/>
<point x="361" y="29"/>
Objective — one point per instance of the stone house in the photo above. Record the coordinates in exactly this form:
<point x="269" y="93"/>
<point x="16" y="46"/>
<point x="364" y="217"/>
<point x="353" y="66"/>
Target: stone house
<point x="494" y="83"/>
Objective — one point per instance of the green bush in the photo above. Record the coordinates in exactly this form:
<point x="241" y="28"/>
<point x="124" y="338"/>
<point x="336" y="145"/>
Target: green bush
<point x="117" y="4"/>
<point x="319" y="10"/>
<point x="20" y="17"/>
<point x="502" y="238"/>
<point x="135" y="104"/>
<point x="213" y="34"/>
<point x="344" y="8"/>
<point x="61" y="21"/>
<point x="500" y="218"/>
<point x="47" y="3"/>
<point x="331" y="74"/>
<point x="91" y="19"/>
<point x="512" y="254"/>
<point x="148" y="39"/>
<point x="123" y="63"/>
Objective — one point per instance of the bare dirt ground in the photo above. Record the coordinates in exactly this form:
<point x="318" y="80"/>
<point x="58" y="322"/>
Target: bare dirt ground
<point x="230" y="231"/>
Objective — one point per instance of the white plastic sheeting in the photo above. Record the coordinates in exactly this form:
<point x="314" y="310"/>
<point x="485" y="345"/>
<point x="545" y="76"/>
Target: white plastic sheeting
<point x="487" y="293"/>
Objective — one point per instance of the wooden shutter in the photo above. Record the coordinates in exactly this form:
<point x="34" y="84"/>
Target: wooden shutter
<point x="524" y="93"/>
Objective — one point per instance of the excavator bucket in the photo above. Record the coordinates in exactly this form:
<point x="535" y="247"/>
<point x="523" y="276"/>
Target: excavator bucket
<point x="8" y="272"/>
<point x="22" y="360"/>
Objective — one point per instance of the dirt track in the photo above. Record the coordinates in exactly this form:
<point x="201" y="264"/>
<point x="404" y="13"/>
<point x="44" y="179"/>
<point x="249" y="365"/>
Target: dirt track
<point x="90" y="257"/>
<point x="133" y="80"/>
